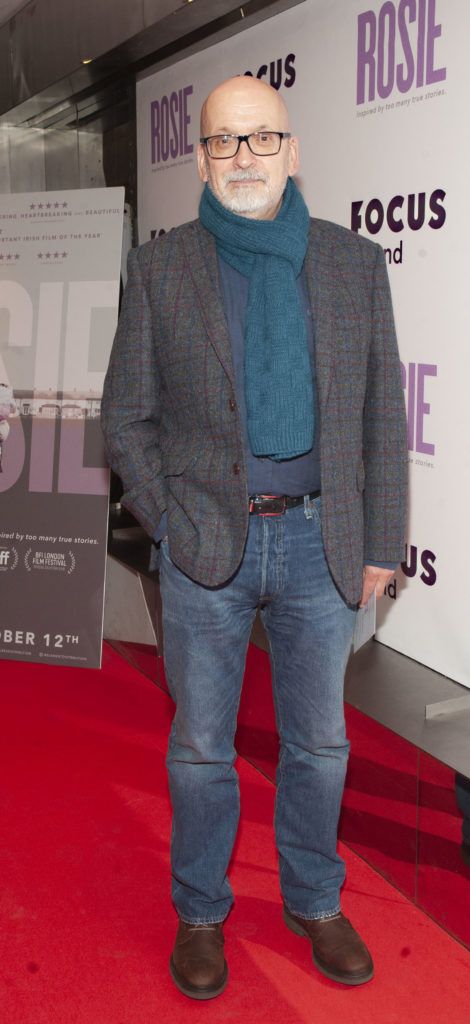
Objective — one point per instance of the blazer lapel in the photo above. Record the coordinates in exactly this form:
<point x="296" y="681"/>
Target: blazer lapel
<point x="201" y="262"/>
<point x="321" y="275"/>
<point x="335" y="304"/>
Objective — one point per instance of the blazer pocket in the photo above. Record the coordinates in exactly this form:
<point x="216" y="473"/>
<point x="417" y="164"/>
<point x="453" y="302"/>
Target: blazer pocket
<point x="178" y="462"/>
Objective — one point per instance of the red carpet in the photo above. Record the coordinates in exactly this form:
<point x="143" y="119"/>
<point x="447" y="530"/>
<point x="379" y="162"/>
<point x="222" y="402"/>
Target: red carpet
<point x="85" y="920"/>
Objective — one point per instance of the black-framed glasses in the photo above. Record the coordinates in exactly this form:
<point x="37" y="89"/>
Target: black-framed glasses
<point x="222" y="147"/>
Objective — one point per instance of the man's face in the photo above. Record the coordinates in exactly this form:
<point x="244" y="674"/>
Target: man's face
<point x="246" y="184"/>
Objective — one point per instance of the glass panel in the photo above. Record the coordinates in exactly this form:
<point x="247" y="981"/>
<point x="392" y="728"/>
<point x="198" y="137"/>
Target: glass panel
<point x="143" y="657"/>
<point x="443" y="876"/>
<point x="378" y="819"/>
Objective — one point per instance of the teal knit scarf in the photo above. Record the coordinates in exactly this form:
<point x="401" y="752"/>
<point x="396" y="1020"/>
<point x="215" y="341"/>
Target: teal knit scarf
<point x="278" y="377"/>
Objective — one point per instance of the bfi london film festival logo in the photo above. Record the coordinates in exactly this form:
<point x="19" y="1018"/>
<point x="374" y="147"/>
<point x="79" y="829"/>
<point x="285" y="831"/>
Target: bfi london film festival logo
<point x="398" y="53"/>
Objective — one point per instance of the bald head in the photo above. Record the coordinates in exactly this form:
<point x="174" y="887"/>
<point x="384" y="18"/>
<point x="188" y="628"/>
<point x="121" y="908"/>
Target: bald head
<point x="247" y="97"/>
<point x="249" y="183"/>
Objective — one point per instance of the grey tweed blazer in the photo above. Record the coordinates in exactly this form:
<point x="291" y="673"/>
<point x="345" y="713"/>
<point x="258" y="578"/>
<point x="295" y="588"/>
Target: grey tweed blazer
<point x="171" y="422"/>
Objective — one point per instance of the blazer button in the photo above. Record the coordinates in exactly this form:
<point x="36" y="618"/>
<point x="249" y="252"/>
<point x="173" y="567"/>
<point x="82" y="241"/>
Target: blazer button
<point x="236" y="468"/>
<point x="232" y="404"/>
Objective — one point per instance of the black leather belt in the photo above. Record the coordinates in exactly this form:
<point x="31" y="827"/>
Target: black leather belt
<point x="275" y="504"/>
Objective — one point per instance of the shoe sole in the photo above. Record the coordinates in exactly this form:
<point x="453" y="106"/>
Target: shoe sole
<point x="192" y="990"/>
<point x="360" y="979"/>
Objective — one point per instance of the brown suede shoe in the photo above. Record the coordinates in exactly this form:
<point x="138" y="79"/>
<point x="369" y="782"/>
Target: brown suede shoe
<point x="197" y="963"/>
<point x="337" y="949"/>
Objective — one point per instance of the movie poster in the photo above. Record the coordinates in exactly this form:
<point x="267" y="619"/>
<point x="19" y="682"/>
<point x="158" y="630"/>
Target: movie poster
<point x="60" y="255"/>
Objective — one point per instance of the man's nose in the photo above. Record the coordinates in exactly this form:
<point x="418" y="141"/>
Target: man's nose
<point x="244" y="157"/>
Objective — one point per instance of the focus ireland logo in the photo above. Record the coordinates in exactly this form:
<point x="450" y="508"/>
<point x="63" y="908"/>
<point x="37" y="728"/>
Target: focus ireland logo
<point x="416" y="211"/>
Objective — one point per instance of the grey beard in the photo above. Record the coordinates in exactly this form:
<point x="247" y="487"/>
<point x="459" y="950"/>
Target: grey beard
<point x="248" y="200"/>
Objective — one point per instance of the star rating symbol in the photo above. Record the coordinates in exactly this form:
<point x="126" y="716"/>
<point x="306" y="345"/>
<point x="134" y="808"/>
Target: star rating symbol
<point x="49" y="255"/>
<point x="1" y="256"/>
<point x="52" y="255"/>
<point x="17" y="256"/>
<point x="48" y="206"/>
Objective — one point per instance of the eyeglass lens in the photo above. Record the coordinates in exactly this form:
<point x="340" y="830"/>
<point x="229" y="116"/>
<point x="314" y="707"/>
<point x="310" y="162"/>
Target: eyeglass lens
<point x="260" y="143"/>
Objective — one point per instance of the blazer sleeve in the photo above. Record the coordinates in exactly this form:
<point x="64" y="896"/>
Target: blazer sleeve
<point x="130" y="408"/>
<point x="385" y="447"/>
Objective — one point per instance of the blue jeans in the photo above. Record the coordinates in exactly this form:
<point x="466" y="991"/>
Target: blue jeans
<point x="206" y="633"/>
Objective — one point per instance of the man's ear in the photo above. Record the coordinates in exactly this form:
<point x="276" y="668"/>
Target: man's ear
<point x="293" y="159"/>
<point x="202" y="162"/>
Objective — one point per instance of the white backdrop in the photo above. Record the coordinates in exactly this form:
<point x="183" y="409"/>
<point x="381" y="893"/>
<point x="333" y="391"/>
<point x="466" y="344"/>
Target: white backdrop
<point x="378" y="95"/>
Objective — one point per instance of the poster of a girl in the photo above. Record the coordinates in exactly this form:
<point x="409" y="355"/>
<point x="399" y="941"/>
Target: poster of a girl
<point x="6" y="409"/>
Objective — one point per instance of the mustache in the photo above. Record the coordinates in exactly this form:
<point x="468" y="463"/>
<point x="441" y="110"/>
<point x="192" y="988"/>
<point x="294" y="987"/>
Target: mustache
<point x="249" y="174"/>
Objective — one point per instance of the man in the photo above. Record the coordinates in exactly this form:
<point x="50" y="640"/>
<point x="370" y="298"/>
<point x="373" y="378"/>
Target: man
<point x="253" y="408"/>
